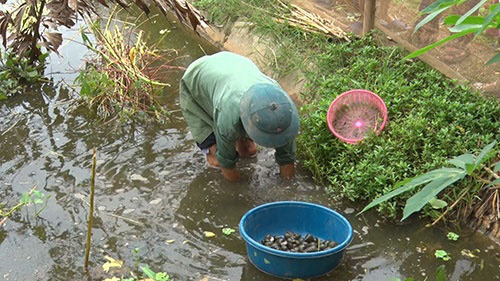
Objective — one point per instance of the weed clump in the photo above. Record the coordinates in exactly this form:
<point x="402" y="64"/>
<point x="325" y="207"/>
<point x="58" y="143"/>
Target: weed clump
<point x="126" y="75"/>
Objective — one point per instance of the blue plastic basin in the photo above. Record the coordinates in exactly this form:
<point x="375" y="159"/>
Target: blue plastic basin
<point x="301" y="217"/>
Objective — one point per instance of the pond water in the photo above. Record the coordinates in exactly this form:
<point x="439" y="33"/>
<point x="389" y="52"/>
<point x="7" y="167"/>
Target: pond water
<point x="153" y="186"/>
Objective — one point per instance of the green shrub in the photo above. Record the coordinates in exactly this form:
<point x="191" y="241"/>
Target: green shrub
<point x="431" y="119"/>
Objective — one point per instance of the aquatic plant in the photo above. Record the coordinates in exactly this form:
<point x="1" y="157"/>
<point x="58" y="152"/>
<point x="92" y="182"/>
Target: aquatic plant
<point x="124" y="77"/>
<point x="17" y="72"/>
<point x="28" y="26"/>
<point x="452" y="236"/>
<point x="156" y="276"/>
<point x="147" y="273"/>
<point x="466" y="165"/>
<point x="33" y="197"/>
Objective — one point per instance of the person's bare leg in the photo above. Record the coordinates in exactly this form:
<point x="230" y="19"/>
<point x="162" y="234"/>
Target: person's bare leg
<point x="246" y="148"/>
<point x="287" y="171"/>
<point x="211" y="158"/>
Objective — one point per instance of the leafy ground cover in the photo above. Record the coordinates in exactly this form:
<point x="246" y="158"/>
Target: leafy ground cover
<point x="431" y="118"/>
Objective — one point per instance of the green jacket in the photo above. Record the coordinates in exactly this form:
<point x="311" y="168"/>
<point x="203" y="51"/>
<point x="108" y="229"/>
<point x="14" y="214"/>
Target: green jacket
<point x="210" y="93"/>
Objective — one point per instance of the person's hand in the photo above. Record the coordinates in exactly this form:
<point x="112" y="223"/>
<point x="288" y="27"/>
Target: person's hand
<point x="231" y="174"/>
<point x="287" y="171"/>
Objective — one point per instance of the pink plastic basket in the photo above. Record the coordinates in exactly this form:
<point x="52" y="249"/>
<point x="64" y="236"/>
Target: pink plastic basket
<point x="355" y="113"/>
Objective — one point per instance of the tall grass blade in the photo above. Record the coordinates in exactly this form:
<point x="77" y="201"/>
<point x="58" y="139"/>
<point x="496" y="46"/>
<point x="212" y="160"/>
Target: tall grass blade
<point x="417" y="201"/>
<point x="489" y="19"/>
<point x="439" y="43"/>
<point x="471" y="11"/>
<point x="483" y="155"/>
<point x="494" y="59"/>
<point x="411" y="183"/>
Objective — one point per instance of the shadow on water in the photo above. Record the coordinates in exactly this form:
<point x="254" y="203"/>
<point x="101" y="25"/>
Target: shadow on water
<point x="153" y="186"/>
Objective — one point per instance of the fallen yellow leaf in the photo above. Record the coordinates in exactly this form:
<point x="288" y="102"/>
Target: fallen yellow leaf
<point x="468" y="253"/>
<point x="112" y="279"/>
<point x="209" y="234"/>
<point x="111" y="263"/>
<point x="170" y="241"/>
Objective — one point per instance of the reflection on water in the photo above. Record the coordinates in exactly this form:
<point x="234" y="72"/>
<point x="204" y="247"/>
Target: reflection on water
<point x="154" y="186"/>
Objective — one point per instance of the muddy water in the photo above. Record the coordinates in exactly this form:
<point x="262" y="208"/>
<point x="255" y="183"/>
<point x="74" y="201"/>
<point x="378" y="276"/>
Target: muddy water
<point x="153" y="186"/>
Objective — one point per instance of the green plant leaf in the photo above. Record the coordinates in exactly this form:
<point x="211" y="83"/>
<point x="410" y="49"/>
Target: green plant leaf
<point x="439" y="43"/>
<point x="437" y="203"/>
<point x="471" y="11"/>
<point x="469" y="168"/>
<point x="149" y="273"/>
<point x="411" y="183"/>
<point x="430" y="17"/>
<point x="32" y="74"/>
<point x="483" y="155"/>
<point x="417" y="201"/>
<point x="453" y="19"/>
<point x="494" y="59"/>
<point x="228" y="230"/>
<point x="25" y="198"/>
<point x="496" y="168"/>
<point x="491" y="16"/>
<point x="442" y="254"/>
<point x="452" y="236"/>
<point x="437" y="5"/>
<point x="461" y="160"/>
<point x="162" y="276"/>
<point x="462" y="27"/>
<point x="441" y="273"/>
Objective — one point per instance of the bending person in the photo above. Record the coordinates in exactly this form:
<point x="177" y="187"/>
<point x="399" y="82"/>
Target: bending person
<point x="230" y="105"/>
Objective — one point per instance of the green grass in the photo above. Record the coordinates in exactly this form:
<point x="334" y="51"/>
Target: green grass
<point x="292" y="48"/>
<point x="431" y="118"/>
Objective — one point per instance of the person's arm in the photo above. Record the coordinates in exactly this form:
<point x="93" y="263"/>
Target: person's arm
<point x="285" y="157"/>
